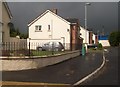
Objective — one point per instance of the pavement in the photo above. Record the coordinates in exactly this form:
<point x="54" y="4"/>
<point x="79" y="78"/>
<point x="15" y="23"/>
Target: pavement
<point x="67" y="72"/>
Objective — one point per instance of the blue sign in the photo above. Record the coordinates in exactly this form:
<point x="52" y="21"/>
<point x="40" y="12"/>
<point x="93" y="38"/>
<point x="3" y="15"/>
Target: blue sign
<point x="103" y="37"/>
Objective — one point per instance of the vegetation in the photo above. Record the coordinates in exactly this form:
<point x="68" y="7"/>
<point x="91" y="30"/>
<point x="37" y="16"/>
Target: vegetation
<point x="46" y="53"/>
<point x="114" y="38"/>
<point x="15" y="32"/>
<point x="100" y="47"/>
<point x="22" y="52"/>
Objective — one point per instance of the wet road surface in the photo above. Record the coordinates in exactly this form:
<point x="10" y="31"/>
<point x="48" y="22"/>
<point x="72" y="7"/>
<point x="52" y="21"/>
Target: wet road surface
<point x="69" y="71"/>
<point x="109" y="74"/>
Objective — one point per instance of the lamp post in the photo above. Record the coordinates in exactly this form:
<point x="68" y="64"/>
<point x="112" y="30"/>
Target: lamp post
<point x="86" y="4"/>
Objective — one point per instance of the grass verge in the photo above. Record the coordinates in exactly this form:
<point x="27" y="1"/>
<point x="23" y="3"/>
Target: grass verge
<point x="46" y="53"/>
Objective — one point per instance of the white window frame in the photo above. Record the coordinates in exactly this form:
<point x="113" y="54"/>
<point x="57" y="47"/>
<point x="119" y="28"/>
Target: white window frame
<point x="38" y="28"/>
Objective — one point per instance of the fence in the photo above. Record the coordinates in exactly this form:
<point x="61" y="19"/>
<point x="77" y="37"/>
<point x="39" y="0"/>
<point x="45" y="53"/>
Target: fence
<point x="32" y="49"/>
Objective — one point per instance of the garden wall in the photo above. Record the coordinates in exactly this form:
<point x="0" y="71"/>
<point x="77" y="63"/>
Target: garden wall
<point x="12" y="64"/>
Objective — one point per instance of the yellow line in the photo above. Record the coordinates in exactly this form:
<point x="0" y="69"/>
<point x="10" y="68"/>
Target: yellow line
<point x="32" y="83"/>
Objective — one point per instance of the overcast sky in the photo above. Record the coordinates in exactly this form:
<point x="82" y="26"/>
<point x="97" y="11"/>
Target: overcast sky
<point x="102" y="16"/>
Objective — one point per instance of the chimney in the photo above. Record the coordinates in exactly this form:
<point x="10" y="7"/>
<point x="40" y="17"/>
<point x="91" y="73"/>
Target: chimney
<point x="54" y="11"/>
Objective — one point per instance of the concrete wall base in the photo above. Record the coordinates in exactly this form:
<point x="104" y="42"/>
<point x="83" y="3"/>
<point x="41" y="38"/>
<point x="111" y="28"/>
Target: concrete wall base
<point x="13" y="64"/>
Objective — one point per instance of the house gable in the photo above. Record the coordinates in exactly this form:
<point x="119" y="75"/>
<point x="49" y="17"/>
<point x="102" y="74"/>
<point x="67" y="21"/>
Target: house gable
<point x="47" y="11"/>
<point x="51" y="27"/>
<point x="6" y="16"/>
<point x="7" y="9"/>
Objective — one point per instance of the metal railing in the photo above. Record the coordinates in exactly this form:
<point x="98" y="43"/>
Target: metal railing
<point x="30" y="49"/>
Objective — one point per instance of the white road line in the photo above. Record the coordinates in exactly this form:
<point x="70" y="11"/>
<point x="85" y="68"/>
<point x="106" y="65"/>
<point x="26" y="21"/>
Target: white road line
<point x="90" y="75"/>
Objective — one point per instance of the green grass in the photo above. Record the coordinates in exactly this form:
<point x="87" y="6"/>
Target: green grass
<point x="95" y="50"/>
<point x="46" y="53"/>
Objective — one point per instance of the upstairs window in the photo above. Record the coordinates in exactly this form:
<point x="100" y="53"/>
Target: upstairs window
<point x="38" y="28"/>
<point x="48" y="27"/>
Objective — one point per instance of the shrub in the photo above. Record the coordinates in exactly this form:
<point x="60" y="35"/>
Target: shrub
<point x="114" y="38"/>
<point x="100" y="46"/>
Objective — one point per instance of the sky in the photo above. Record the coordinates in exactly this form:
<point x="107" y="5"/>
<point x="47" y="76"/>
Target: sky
<point x="101" y="16"/>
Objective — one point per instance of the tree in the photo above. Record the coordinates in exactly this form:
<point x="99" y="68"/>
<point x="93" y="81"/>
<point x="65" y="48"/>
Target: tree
<point x="11" y="26"/>
<point x="15" y="32"/>
<point x="23" y="36"/>
<point x="114" y="38"/>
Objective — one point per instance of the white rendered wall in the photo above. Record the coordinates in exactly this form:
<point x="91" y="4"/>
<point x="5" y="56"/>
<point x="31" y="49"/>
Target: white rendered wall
<point x="58" y="29"/>
<point x="83" y="34"/>
<point x="94" y="38"/>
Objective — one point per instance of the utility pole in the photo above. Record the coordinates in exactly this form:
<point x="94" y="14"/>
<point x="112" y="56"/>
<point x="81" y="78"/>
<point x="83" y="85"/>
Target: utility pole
<point x="86" y="4"/>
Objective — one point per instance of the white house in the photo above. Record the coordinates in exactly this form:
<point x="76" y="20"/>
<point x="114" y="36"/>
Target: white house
<point x="95" y="39"/>
<point x="84" y="34"/>
<point x="50" y="27"/>
<point x="88" y="36"/>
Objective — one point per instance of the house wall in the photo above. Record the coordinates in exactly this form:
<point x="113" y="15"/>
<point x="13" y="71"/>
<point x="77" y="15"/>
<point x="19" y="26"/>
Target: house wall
<point x="58" y="30"/>
<point x="0" y="12"/>
<point x="83" y="33"/>
<point x="5" y="21"/>
<point x="105" y="43"/>
<point x="0" y="31"/>
<point x="94" y="38"/>
<point x="75" y="39"/>
<point x="90" y="37"/>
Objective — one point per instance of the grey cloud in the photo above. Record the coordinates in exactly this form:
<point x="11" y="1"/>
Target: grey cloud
<point x="99" y="13"/>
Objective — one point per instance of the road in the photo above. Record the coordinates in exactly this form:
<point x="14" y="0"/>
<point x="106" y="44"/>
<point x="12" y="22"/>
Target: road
<point x="109" y="74"/>
<point x="68" y="72"/>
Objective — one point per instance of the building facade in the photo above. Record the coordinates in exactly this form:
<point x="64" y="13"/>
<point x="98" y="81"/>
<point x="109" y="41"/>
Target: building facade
<point x="6" y="17"/>
<point x="49" y="26"/>
<point x="88" y="36"/>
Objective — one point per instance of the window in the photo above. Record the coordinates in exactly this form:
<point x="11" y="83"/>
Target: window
<point x="68" y="30"/>
<point x="38" y="28"/>
<point x="48" y="27"/>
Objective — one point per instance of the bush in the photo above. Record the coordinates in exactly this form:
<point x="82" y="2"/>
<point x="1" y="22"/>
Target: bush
<point x="100" y="46"/>
<point x="114" y="38"/>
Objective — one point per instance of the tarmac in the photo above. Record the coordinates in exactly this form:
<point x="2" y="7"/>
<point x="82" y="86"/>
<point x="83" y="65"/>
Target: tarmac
<point x="38" y="84"/>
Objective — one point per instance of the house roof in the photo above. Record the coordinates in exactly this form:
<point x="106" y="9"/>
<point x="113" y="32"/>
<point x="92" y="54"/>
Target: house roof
<point x="89" y="30"/>
<point x="8" y="10"/>
<point x="37" y="18"/>
<point x="72" y="20"/>
<point x="83" y="28"/>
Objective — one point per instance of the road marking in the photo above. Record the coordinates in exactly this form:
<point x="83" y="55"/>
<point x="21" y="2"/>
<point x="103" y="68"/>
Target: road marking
<point x="90" y="75"/>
